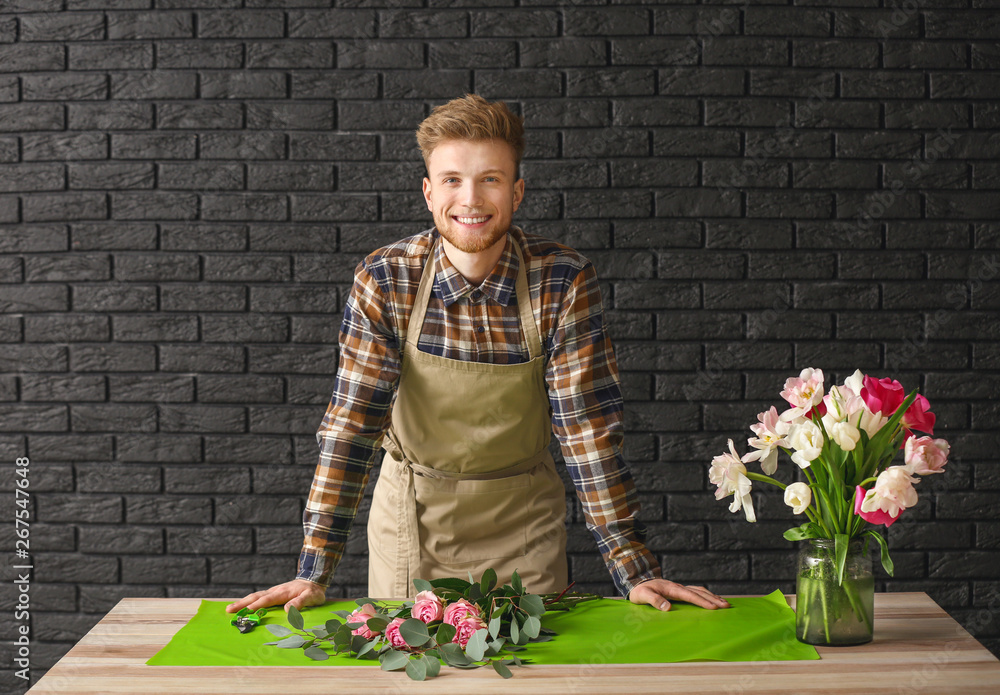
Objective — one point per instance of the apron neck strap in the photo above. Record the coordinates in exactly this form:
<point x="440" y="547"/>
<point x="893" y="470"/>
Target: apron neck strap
<point x="428" y="276"/>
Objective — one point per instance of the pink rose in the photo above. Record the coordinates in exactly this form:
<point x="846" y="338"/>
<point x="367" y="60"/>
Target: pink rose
<point x="361" y="616"/>
<point x="884" y="395"/>
<point x="466" y="628"/>
<point x="455" y="612"/>
<point x="925" y="455"/>
<point x="392" y="634"/>
<point x="427" y="607"/>
<point x="875" y="517"/>
<point x="919" y="417"/>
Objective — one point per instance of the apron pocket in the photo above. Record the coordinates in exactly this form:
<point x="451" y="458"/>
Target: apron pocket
<point x="463" y="521"/>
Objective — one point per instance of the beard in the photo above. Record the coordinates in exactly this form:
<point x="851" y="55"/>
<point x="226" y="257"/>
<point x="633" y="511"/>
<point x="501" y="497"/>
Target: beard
<point x="472" y="241"/>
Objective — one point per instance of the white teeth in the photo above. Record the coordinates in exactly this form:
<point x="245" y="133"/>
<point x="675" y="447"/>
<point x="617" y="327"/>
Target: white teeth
<point x="471" y="220"/>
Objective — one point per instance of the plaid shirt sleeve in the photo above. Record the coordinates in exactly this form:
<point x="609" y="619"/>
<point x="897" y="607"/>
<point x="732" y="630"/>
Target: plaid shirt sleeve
<point x="587" y="419"/>
<point x="354" y="424"/>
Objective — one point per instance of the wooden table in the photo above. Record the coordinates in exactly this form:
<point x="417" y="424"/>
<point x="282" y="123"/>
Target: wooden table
<point x="918" y="648"/>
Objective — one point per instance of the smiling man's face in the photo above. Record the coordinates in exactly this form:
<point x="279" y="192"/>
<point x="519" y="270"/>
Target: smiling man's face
<point x="472" y="191"/>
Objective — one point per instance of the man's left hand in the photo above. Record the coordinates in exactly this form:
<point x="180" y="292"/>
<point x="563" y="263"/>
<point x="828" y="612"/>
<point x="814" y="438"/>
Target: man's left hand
<point x="659" y="592"/>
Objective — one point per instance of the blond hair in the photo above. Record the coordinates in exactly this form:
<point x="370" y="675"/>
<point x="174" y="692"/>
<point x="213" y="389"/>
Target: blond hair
<point x="471" y="118"/>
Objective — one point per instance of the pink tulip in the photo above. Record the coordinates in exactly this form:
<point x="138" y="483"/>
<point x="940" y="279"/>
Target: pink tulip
<point x="919" y="417"/>
<point x="803" y="393"/>
<point x="875" y="517"/>
<point x="925" y="455"/>
<point x="884" y="395"/>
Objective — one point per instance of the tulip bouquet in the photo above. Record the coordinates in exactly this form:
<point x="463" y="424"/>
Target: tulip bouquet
<point x="465" y="624"/>
<point x="844" y="441"/>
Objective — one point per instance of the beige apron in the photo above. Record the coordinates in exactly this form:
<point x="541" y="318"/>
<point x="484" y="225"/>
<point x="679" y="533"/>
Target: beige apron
<point x="467" y="480"/>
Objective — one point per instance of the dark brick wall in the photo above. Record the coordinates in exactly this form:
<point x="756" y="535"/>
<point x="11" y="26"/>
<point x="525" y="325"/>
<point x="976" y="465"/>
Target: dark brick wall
<point x="186" y="186"/>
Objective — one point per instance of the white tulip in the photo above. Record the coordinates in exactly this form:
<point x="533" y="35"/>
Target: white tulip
<point x="798" y="496"/>
<point x="893" y="492"/>
<point x="729" y="473"/>
<point x="855" y="382"/>
<point x="845" y="435"/>
<point x="807" y="440"/>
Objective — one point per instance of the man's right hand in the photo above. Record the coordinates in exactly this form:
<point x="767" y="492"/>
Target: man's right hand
<point x="298" y="593"/>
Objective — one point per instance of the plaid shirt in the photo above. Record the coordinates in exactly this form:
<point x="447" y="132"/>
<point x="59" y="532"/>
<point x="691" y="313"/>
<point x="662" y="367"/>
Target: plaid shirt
<point x="581" y="374"/>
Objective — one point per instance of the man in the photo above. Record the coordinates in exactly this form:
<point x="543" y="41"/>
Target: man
<point x="462" y="349"/>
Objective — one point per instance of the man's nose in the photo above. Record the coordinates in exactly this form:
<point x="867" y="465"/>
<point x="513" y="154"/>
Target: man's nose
<point x="471" y="195"/>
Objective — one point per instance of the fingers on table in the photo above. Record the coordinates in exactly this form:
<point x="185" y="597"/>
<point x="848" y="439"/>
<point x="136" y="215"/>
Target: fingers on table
<point x="259" y="599"/>
<point x="242" y="603"/>
<point x="700" y="596"/>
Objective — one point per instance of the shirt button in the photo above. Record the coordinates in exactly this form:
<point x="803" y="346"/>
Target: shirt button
<point x="479" y="329"/>
<point x="476" y="295"/>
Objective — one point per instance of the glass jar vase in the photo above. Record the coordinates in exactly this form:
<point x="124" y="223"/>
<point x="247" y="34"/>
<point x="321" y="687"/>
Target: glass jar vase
<point x="828" y="612"/>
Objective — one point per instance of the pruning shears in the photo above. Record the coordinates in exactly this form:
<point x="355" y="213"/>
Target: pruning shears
<point x="245" y="621"/>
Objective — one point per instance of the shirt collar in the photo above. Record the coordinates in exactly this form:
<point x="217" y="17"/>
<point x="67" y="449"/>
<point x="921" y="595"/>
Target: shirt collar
<point x="499" y="285"/>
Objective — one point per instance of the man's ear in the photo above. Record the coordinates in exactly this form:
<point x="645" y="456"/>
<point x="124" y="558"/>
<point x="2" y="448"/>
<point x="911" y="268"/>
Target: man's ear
<point x="518" y="193"/>
<point x="427" y="193"/>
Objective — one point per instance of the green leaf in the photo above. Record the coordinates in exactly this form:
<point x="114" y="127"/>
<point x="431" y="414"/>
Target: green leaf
<point x="532" y="603"/>
<point x="445" y="633"/>
<point x="494" y="626"/>
<point x="473" y="592"/>
<point x="357" y="642"/>
<point x="416" y="669"/>
<point x="453" y="654"/>
<point x="803" y="532"/>
<point x="488" y="581"/>
<point x="362" y="601"/>
<point x="341" y="614"/>
<point x="414" y="632"/>
<point x="316" y="653"/>
<point x="394" y="660"/>
<point x="342" y="639"/>
<point x="318" y="631"/>
<point x="295" y="618"/>
<point x="432" y="664"/>
<point x="278" y="630"/>
<point x="501" y="669"/>
<point x="377" y="624"/>
<point x="476" y="646"/>
<point x="496" y="646"/>
<point x="515" y="582"/>
<point x="515" y="631"/>
<point x="422" y="585"/>
<point x="531" y="626"/>
<point x="886" y="560"/>
<point x="840" y="544"/>
<point x="332" y="625"/>
<point x="292" y="642"/>
<point x="367" y="647"/>
<point x="452" y="583"/>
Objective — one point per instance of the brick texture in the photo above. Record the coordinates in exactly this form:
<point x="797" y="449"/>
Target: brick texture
<point x="185" y="190"/>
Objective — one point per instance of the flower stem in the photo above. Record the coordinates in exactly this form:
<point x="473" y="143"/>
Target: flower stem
<point x="761" y="478"/>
